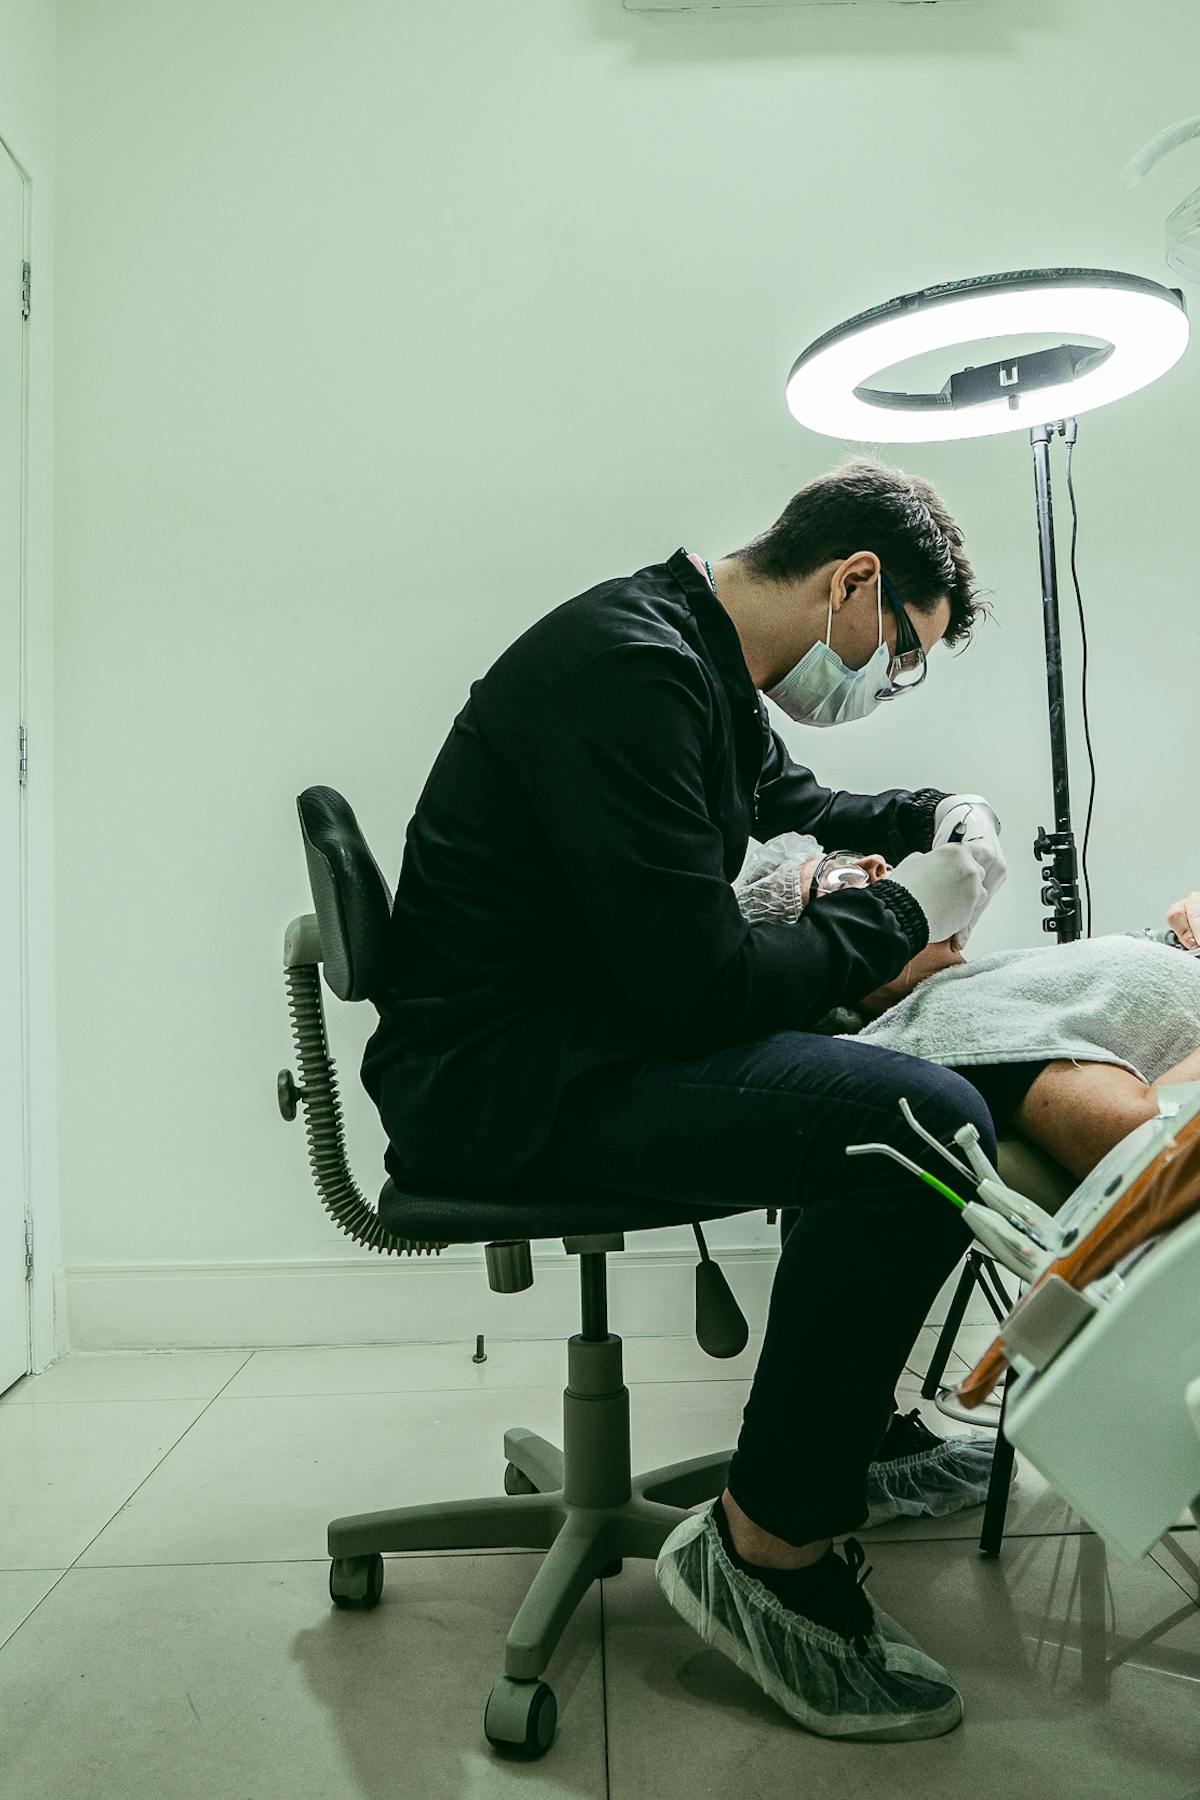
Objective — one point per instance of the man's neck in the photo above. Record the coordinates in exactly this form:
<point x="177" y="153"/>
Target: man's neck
<point x="755" y="617"/>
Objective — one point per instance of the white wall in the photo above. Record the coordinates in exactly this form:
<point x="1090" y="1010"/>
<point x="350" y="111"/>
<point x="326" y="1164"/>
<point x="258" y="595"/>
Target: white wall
<point x="381" y="330"/>
<point x="27" y="97"/>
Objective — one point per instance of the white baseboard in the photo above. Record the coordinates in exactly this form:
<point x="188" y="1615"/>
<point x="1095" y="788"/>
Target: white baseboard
<point x="392" y="1300"/>
<point x="395" y="1300"/>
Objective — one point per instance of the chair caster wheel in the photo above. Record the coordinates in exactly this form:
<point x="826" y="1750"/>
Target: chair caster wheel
<point x="515" y="1482"/>
<point x="521" y="1717"/>
<point x="356" y="1581"/>
<point x="611" y="1569"/>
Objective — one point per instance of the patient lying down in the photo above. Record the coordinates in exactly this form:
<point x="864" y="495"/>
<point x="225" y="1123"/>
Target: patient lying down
<point x="1098" y="1024"/>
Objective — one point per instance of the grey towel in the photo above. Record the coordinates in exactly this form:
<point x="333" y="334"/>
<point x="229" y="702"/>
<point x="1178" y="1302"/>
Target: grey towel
<point x="1121" y="999"/>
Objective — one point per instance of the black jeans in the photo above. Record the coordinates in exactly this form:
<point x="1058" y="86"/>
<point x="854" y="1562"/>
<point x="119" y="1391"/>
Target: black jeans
<point x="865" y="1248"/>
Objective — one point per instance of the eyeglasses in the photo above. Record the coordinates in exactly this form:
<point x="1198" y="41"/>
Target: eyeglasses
<point x="908" y="667"/>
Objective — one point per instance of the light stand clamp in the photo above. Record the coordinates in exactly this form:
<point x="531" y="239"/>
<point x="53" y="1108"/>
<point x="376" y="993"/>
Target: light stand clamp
<point x="1060" y="889"/>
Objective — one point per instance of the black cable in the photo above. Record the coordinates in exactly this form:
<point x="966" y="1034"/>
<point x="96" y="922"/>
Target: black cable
<point x="1087" y="728"/>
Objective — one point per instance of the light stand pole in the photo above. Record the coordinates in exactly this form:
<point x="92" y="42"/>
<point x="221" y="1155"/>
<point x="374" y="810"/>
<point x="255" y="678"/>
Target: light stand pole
<point x="1060" y="890"/>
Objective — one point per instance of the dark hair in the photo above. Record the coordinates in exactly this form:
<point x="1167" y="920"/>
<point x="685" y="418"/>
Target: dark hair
<point x="866" y="505"/>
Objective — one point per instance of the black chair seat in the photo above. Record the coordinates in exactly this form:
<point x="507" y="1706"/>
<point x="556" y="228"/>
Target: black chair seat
<point x="466" y="1218"/>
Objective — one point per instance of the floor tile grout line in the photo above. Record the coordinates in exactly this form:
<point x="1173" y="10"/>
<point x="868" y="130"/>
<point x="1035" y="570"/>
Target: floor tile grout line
<point x="271" y="1562"/>
<point x="902" y="1542"/>
<point x="1174" y="1579"/>
<point x="1192" y="1593"/>
<point x="21" y="1623"/>
<point x="267" y="1562"/>
<point x="63" y="1573"/>
<point x="158" y="1465"/>
<point x="498" y="1387"/>
<point x="464" y="1387"/>
<point x="290" y="1349"/>
<point x="145" y="1400"/>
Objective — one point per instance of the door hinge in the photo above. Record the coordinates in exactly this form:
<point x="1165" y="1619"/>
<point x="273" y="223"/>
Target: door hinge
<point x="28" y="1249"/>
<point x="24" y="290"/>
<point x="23" y="765"/>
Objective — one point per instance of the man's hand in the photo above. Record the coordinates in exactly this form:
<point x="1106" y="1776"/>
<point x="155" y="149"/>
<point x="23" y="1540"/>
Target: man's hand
<point x="1184" y="920"/>
<point x="947" y="884"/>
<point x="970" y="820"/>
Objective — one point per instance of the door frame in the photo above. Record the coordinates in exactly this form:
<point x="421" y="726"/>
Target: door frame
<point x="35" y="852"/>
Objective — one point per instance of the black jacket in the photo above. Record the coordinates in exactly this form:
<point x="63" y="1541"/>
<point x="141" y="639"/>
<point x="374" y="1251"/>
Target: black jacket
<point x="564" y="899"/>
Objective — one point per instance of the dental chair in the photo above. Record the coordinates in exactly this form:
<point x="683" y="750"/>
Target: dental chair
<point x="581" y="1504"/>
<point x="1106" y="1329"/>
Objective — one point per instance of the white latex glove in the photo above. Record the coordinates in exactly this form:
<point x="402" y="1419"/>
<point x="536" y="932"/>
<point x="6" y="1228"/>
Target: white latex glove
<point x="970" y="820"/>
<point x="947" y="884"/>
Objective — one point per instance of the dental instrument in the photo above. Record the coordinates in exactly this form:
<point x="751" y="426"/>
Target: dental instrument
<point x="1105" y="1340"/>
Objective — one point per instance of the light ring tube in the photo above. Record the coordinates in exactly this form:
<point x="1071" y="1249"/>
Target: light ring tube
<point x="1146" y="324"/>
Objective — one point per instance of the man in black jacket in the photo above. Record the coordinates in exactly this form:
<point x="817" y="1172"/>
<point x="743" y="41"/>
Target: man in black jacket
<point x="576" y="997"/>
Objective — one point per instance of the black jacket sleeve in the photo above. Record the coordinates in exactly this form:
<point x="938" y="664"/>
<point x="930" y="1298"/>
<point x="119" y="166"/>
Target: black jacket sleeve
<point x="790" y="798"/>
<point x="616" y="767"/>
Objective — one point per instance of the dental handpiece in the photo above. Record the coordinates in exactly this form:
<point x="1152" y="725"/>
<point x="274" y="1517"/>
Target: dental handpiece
<point x="1006" y="1241"/>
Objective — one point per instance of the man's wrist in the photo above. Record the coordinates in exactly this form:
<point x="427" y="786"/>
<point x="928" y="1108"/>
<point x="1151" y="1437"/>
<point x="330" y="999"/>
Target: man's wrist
<point x="906" y="909"/>
<point x="919" y="810"/>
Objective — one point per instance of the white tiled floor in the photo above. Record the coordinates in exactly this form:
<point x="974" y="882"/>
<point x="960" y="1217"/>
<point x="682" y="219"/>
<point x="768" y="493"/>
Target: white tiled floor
<point x="165" y="1628"/>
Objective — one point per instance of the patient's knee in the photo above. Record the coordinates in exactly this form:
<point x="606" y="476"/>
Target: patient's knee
<point x="1078" y="1112"/>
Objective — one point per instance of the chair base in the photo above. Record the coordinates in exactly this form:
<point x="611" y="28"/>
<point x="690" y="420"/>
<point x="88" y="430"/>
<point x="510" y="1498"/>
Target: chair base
<point x="588" y="1511"/>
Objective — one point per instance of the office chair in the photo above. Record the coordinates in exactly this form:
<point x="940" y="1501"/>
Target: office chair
<point x="581" y="1503"/>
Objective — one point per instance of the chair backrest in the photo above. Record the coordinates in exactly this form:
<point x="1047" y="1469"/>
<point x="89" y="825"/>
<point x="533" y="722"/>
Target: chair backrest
<point x="353" y="906"/>
<point x="352" y="900"/>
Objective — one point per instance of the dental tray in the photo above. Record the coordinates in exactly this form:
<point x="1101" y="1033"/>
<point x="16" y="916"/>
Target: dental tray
<point x="1146" y="1185"/>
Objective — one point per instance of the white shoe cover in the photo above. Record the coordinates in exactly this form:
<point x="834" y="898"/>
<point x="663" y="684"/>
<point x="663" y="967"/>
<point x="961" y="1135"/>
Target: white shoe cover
<point x="933" y="1482"/>
<point x="821" y="1679"/>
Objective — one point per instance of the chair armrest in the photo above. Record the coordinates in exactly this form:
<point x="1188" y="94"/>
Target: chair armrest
<point x="302" y="942"/>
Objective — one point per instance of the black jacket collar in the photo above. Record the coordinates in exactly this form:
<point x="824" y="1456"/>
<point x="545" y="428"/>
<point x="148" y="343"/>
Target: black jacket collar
<point x="716" y="627"/>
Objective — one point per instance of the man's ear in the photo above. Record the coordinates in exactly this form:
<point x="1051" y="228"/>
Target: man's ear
<point x="864" y="570"/>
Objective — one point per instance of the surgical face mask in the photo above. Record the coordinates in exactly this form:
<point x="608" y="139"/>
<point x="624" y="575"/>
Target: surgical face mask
<point x="821" y="690"/>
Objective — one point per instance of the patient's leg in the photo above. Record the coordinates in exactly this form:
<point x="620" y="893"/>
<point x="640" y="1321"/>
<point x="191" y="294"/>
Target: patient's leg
<point x="1078" y="1111"/>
